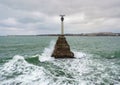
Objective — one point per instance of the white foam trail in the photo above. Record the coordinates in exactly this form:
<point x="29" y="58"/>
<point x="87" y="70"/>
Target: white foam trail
<point x="79" y="54"/>
<point x="46" y="55"/>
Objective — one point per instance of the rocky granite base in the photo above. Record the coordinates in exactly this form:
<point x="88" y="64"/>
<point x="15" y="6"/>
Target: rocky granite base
<point x="62" y="49"/>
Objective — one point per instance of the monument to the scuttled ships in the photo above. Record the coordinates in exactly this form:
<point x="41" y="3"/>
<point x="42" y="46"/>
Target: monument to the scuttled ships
<point x="62" y="48"/>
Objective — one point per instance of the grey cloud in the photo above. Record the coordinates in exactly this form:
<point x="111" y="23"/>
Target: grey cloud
<point x="41" y="16"/>
<point x="55" y="7"/>
<point x="30" y="20"/>
<point x="63" y="6"/>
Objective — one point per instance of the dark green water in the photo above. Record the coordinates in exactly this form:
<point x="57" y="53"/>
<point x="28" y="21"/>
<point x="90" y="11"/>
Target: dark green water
<point x="27" y="61"/>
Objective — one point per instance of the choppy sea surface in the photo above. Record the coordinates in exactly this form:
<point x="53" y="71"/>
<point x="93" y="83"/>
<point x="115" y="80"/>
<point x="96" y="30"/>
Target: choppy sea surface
<point x="26" y="61"/>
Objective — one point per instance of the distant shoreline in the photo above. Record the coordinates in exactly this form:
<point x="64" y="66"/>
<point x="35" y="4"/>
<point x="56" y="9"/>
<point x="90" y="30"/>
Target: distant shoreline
<point x="82" y="34"/>
<point x="89" y="34"/>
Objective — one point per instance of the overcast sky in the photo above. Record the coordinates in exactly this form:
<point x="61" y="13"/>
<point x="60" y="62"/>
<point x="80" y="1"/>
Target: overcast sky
<point x="31" y="17"/>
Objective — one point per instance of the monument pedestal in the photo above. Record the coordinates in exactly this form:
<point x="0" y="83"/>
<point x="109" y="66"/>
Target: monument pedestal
<point x="62" y="49"/>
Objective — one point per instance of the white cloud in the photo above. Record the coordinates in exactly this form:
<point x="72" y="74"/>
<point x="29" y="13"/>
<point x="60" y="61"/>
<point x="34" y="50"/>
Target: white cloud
<point x="9" y="21"/>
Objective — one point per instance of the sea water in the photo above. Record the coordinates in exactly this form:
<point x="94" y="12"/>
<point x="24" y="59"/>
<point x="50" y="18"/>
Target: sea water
<point x="25" y="60"/>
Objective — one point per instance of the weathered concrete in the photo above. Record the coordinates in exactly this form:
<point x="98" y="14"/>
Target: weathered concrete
<point x="62" y="49"/>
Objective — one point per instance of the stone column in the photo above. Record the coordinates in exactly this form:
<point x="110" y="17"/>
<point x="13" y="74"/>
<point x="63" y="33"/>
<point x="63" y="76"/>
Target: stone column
<point x="62" y="24"/>
<point x="62" y="28"/>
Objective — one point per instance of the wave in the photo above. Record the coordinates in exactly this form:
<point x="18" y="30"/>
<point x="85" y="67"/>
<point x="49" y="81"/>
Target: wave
<point x="46" y="55"/>
<point x="84" y="71"/>
<point x="19" y="71"/>
<point x="45" y="70"/>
